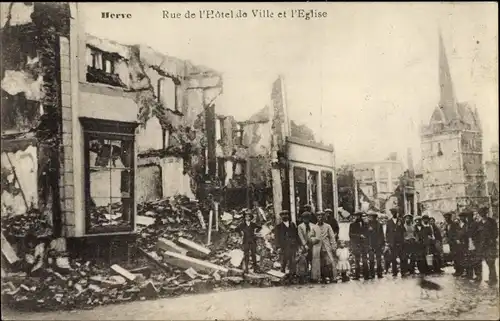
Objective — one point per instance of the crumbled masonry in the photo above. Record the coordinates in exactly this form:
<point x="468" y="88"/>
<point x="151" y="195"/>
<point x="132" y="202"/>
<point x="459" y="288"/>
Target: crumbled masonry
<point x="173" y="260"/>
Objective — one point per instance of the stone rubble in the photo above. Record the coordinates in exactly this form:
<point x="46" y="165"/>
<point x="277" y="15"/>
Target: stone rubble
<point x="173" y="259"/>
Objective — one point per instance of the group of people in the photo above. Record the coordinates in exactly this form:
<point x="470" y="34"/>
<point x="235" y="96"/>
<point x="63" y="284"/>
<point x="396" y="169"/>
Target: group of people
<point x="404" y="244"/>
<point x="472" y="239"/>
<point x="309" y="250"/>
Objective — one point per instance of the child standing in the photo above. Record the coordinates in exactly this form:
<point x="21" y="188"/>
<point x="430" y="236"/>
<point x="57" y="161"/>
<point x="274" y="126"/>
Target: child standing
<point x="343" y="265"/>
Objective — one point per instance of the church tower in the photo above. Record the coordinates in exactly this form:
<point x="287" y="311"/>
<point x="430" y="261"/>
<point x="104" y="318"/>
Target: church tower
<point x="452" y="154"/>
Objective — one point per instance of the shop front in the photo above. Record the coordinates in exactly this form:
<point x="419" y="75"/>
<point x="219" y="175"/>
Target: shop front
<point x="311" y="176"/>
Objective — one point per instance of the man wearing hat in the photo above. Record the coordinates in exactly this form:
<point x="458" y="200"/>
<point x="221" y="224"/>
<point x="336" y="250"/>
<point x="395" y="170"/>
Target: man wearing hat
<point x="409" y="245"/>
<point x="428" y="240"/>
<point x="461" y="243"/>
<point x="309" y="239"/>
<point x="395" y="239"/>
<point x="248" y="230"/>
<point x="330" y="219"/>
<point x="419" y="249"/>
<point x="328" y="247"/>
<point x="287" y="242"/>
<point x="376" y="243"/>
<point x="358" y="235"/>
<point x="450" y="235"/>
<point x="487" y="230"/>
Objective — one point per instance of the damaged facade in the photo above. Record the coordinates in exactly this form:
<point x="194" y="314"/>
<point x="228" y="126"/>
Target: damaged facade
<point x="89" y="126"/>
<point x="452" y="157"/>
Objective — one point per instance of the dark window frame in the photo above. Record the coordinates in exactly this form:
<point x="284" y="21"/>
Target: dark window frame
<point x="100" y="75"/>
<point x="110" y="130"/>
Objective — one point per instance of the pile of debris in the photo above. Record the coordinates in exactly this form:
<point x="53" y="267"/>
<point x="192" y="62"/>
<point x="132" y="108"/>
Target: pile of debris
<point x="173" y="261"/>
<point x="18" y="226"/>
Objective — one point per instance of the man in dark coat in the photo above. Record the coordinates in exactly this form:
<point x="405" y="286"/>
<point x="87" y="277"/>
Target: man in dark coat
<point x="487" y="230"/>
<point x="409" y="245"/>
<point x="461" y="243"/>
<point x="395" y="239"/>
<point x="287" y="242"/>
<point x="330" y="219"/>
<point x="376" y="243"/>
<point x="419" y="248"/>
<point x="438" y="244"/>
<point x="248" y="230"/>
<point x="358" y="236"/>
<point x="428" y="240"/>
<point x="450" y="234"/>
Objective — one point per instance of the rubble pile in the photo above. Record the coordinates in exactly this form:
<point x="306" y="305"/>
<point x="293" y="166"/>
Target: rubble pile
<point x="18" y="226"/>
<point x="171" y="243"/>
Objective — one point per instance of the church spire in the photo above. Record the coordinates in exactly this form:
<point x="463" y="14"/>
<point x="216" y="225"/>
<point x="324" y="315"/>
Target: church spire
<point x="447" y="100"/>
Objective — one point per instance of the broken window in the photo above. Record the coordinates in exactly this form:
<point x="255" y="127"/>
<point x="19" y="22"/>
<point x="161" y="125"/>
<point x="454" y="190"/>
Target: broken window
<point x="219" y="129"/>
<point x="312" y="182"/>
<point x="109" y="176"/>
<point x="239" y="134"/>
<point x="221" y="170"/>
<point x="327" y="189"/>
<point x="167" y="93"/>
<point x="300" y="182"/>
<point x="101" y="67"/>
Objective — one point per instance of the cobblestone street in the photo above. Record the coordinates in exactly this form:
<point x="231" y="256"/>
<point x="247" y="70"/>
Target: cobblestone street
<point x="388" y="299"/>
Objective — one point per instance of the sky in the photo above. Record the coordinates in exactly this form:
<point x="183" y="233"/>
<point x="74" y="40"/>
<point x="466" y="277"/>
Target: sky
<point x="364" y="78"/>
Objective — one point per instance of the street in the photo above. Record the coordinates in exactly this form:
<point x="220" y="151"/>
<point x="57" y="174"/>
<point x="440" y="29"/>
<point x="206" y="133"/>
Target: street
<point x="387" y="299"/>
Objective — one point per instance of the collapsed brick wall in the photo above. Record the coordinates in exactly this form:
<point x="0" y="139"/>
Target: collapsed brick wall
<point x="31" y="94"/>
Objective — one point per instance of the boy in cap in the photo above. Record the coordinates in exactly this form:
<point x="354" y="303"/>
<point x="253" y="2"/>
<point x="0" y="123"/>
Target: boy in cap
<point x="287" y="242"/>
<point x="248" y="230"/>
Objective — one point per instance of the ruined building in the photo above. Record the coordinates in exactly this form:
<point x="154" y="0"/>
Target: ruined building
<point x="91" y="127"/>
<point x="270" y="160"/>
<point x="452" y="156"/>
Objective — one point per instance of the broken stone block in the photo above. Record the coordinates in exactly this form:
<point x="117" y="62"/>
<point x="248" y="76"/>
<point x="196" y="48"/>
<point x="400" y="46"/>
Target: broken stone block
<point x="8" y="251"/>
<point x="148" y="290"/>
<point x="201" y="219"/>
<point x="58" y="245"/>
<point x="95" y="288"/>
<point x="226" y="218"/>
<point x="276" y="273"/>
<point x="191" y="273"/>
<point x="197" y="249"/>
<point x="234" y="279"/>
<point x="144" y="220"/>
<point x="123" y="272"/>
<point x="167" y="245"/>
<point x="186" y="262"/>
<point x="216" y="276"/>
<point x="116" y="279"/>
<point x="236" y="257"/>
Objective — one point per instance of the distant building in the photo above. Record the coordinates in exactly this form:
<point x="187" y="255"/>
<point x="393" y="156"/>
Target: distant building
<point x="492" y="168"/>
<point x="452" y="157"/>
<point x="379" y="179"/>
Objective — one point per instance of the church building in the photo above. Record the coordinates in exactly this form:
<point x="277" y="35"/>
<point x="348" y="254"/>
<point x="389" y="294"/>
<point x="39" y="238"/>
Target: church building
<point x="452" y="153"/>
